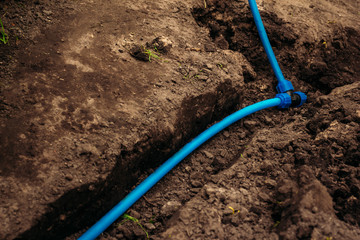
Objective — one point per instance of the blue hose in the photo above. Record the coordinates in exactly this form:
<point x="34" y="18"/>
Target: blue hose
<point x="283" y="84"/>
<point x="150" y="181"/>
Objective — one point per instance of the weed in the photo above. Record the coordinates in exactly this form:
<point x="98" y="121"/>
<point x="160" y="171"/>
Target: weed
<point x="135" y="220"/>
<point x="276" y="224"/>
<point x="204" y="3"/>
<point x="4" y="37"/>
<point x="220" y="65"/>
<point x="151" y="54"/>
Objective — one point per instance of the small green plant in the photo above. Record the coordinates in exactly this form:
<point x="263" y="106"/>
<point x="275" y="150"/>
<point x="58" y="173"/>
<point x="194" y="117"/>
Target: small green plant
<point x="276" y="224"/>
<point x="4" y="37"/>
<point x="151" y="54"/>
<point x="219" y="65"/>
<point x="135" y="220"/>
<point x="204" y="3"/>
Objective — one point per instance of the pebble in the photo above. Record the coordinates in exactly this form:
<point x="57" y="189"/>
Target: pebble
<point x="208" y="155"/>
<point x="149" y="226"/>
<point x="69" y="177"/>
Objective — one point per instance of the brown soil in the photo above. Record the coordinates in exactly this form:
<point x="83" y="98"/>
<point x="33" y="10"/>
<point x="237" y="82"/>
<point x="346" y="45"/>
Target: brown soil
<point x="85" y="116"/>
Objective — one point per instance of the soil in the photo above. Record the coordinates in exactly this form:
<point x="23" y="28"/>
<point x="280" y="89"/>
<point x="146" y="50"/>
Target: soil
<point x="94" y="95"/>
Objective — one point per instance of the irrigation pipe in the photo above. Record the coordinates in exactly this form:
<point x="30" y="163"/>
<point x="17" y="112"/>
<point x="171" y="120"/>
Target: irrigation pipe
<point x="150" y="181"/>
<point x="284" y="99"/>
<point x="283" y="84"/>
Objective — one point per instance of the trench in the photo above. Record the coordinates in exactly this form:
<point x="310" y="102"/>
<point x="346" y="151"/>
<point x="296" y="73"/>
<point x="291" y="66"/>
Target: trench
<point x="83" y="206"/>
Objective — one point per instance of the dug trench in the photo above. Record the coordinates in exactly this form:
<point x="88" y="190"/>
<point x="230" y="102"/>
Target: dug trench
<point x="285" y="174"/>
<point x="80" y="207"/>
<point x="278" y="174"/>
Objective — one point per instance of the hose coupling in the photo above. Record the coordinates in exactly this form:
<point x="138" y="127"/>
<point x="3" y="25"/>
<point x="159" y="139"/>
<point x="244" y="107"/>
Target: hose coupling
<point x="284" y="86"/>
<point x="291" y="99"/>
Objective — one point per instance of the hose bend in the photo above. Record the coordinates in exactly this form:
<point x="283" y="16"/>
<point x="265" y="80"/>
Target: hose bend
<point x="151" y="180"/>
<point x="283" y="84"/>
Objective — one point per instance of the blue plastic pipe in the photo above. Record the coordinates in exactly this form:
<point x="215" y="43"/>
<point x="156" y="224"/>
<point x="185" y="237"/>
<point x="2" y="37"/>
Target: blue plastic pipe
<point x="283" y="84"/>
<point x="150" y="181"/>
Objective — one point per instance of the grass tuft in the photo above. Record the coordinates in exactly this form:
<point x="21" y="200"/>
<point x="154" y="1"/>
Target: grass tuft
<point x="127" y="217"/>
<point x="4" y="37"/>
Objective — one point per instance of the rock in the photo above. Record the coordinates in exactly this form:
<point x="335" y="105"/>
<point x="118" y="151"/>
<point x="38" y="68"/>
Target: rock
<point x="69" y="177"/>
<point x="149" y="226"/>
<point x="208" y="155"/>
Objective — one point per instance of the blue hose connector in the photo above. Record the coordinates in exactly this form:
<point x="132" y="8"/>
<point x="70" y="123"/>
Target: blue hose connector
<point x="285" y="100"/>
<point x="303" y="99"/>
<point x="284" y="86"/>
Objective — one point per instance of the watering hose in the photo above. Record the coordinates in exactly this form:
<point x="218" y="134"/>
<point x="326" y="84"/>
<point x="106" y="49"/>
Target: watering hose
<point x="284" y="99"/>
<point x="150" y="181"/>
<point x="283" y="84"/>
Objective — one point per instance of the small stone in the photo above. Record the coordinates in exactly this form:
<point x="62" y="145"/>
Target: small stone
<point x="69" y="177"/>
<point x="149" y="226"/>
<point x="62" y="217"/>
<point x="226" y="134"/>
<point x="208" y="155"/>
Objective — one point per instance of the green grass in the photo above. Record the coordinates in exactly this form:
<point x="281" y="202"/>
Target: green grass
<point x="152" y="54"/>
<point x="135" y="220"/>
<point x="4" y="37"/>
